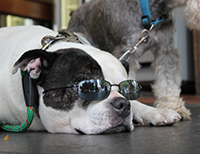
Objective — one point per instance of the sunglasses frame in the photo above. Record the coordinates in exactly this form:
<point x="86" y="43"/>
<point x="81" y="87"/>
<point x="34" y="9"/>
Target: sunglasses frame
<point x="137" y="89"/>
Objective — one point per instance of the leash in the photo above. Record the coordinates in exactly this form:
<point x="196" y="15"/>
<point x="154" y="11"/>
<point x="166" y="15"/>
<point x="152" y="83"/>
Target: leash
<point x="30" y="89"/>
<point x="148" y="25"/>
<point x="30" y="95"/>
<point x="23" y="127"/>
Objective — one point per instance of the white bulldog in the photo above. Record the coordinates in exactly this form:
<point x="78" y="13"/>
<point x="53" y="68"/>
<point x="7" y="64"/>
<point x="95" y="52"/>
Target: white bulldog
<point x="59" y="72"/>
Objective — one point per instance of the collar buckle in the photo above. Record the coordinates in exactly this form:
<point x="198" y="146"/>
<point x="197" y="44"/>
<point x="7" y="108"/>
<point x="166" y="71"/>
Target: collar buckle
<point x="146" y="21"/>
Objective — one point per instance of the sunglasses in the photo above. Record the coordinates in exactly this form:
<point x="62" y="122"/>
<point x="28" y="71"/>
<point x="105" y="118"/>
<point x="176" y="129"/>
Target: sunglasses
<point x="100" y="89"/>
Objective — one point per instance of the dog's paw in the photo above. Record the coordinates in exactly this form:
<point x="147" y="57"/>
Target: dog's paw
<point x="158" y="117"/>
<point x="177" y="105"/>
<point x="164" y="117"/>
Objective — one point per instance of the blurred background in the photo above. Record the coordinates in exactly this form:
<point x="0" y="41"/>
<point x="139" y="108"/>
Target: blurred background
<point x="55" y="14"/>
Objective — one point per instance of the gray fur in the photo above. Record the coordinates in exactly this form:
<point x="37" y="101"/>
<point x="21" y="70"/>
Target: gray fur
<point x="115" y="26"/>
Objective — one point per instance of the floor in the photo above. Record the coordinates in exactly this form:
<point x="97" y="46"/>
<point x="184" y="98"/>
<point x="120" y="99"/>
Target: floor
<point x="181" y="138"/>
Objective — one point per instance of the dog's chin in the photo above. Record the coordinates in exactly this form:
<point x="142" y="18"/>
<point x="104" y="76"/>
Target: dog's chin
<point x="117" y="129"/>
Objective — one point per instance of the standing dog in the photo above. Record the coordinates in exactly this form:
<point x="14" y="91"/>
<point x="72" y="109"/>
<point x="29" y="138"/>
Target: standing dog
<point x="64" y="107"/>
<point x="115" y="26"/>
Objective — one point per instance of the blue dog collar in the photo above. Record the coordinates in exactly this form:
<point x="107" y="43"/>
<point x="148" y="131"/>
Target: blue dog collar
<point x="146" y="18"/>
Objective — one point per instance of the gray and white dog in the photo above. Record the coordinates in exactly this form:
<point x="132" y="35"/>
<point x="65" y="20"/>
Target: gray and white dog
<point x="115" y="26"/>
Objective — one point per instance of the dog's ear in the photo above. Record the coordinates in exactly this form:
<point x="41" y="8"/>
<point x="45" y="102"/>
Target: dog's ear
<point x="126" y="65"/>
<point x="32" y="61"/>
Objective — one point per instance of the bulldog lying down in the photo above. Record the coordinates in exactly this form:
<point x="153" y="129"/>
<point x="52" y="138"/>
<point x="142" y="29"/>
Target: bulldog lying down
<point x="81" y="88"/>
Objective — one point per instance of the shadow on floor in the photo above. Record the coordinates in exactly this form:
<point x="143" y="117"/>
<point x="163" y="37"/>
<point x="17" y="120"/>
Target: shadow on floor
<point x="181" y="138"/>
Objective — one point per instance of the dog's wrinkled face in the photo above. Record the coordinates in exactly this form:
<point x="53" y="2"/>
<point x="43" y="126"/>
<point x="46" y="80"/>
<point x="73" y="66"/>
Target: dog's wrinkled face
<point x="62" y="110"/>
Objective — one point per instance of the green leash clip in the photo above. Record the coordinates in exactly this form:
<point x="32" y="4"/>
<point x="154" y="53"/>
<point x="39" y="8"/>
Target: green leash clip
<point x="31" y="98"/>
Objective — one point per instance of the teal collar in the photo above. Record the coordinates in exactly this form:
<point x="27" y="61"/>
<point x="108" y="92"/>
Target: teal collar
<point x="146" y="18"/>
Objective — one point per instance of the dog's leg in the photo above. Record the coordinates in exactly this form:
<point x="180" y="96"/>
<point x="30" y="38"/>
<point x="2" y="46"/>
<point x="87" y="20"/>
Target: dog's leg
<point x="167" y="79"/>
<point x="145" y="115"/>
<point x="134" y="66"/>
<point x="134" y="63"/>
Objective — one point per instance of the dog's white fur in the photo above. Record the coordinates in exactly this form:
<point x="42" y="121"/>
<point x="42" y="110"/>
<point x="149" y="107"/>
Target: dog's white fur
<point x="16" y="40"/>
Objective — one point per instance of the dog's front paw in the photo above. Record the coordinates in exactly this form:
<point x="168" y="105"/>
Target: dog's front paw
<point x="176" y="105"/>
<point x="158" y="117"/>
<point x="164" y="117"/>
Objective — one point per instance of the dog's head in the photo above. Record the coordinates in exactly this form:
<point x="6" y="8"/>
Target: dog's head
<point x="66" y="79"/>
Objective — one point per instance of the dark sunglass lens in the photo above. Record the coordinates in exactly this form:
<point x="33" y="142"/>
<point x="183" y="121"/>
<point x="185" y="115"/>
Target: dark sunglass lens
<point x="130" y="89"/>
<point x="94" y="89"/>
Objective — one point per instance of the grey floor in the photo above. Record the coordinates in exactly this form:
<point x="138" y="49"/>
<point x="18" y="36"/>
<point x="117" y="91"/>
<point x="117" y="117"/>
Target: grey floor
<point x="181" y="138"/>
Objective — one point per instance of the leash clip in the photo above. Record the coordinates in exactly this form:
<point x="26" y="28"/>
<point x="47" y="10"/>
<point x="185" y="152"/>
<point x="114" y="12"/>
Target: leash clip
<point x="143" y="39"/>
<point x="144" y="35"/>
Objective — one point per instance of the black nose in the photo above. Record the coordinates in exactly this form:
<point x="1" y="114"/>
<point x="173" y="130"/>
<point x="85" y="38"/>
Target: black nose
<point x="122" y="106"/>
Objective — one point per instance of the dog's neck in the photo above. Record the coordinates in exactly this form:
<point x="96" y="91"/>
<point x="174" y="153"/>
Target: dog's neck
<point x="166" y="7"/>
<point x="63" y="35"/>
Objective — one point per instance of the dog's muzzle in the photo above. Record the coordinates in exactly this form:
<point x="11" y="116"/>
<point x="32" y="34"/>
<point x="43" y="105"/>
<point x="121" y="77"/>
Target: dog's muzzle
<point x="122" y="107"/>
<point x="120" y="118"/>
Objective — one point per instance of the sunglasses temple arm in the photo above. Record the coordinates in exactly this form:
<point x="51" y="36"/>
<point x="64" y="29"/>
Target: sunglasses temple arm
<point x="45" y="91"/>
